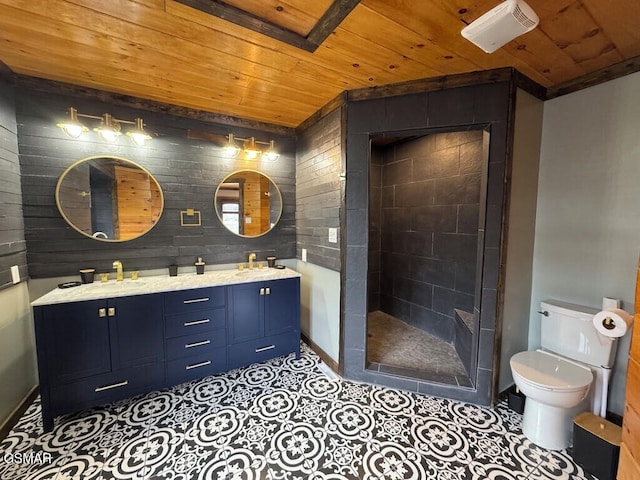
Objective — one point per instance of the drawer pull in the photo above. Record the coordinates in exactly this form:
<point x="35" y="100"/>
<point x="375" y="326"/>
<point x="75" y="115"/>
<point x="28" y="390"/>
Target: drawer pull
<point x="102" y="312"/>
<point x="111" y="311"/>
<point x="196" y="322"/>
<point x="268" y="291"/>
<point x="264" y="349"/>
<point x="262" y="291"/>
<point x="196" y="300"/>
<point x="109" y="387"/>
<point x="198" y="365"/>
<point x="197" y="344"/>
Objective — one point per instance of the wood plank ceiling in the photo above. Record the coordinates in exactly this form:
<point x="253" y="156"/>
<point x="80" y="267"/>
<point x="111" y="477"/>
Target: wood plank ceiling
<point x="169" y="52"/>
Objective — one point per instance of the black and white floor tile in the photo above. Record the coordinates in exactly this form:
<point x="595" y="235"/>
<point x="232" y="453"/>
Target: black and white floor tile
<point x="281" y="420"/>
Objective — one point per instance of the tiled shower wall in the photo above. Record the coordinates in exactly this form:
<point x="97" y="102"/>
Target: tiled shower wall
<point x="425" y="198"/>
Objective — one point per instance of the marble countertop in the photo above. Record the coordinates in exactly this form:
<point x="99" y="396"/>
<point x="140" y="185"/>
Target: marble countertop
<point x="161" y="283"/>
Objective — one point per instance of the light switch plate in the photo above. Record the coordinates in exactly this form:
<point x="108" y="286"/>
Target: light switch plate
<point x="15" y="274"/>
<point x="333" y="235"/>
<point x="304" y="254"/>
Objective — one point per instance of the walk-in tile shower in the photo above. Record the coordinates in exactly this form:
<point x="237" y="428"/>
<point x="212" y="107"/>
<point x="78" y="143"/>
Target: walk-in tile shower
<point x="424" y="217"/>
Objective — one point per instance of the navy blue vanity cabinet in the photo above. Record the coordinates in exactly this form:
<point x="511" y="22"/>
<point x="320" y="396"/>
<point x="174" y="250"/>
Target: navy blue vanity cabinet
<point x="195" y="324"/>
<point x="97" y="351"/>
<point x="264" y="321"/>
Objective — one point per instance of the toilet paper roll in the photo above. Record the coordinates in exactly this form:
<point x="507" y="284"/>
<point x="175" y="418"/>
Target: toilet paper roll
<point x="612" y="322"/>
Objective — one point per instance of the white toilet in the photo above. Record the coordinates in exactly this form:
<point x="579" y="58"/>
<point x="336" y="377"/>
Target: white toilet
<point x="568" y="375"/>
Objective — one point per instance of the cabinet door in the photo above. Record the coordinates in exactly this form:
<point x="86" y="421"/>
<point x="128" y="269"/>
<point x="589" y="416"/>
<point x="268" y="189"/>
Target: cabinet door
<point x="74" y="339"/>
<point x="136" y="331"/>
<point x="246" y="312"/>
<point x="282" y="312"/>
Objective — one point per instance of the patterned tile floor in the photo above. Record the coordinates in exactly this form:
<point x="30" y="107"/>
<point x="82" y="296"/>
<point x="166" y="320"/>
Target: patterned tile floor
<point x="283" y="419"/>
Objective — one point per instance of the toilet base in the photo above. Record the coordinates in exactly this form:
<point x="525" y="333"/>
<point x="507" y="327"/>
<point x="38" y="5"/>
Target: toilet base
<point x="549" y="427"/>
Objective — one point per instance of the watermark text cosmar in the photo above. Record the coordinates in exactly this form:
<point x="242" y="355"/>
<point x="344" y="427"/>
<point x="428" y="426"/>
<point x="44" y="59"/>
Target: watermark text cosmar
<point x="30" y="458"/>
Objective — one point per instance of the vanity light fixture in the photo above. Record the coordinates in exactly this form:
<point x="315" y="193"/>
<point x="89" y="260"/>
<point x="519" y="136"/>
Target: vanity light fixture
<point x="109" y="129"/>
<point x="250" y="149"/>
<point x="72" y="126"/>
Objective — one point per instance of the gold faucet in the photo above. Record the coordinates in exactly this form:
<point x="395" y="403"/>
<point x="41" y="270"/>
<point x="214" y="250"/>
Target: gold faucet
<point x="118" y="266"/>
<point x="252" y="257"/>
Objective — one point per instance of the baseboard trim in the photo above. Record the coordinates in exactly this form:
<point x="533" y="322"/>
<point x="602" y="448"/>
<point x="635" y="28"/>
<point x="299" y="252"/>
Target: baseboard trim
<point x="12" y="419"/>
<point x="324" y="356"/>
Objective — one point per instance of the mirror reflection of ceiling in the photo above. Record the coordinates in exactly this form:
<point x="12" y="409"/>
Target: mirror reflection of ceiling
<point x="248" y="203"/>
<point x="109" y="198"/>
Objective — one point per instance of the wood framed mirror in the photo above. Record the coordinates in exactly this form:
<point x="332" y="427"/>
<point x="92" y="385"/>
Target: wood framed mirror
<point x="248" y="203"/>
<point x="109" y="198"/>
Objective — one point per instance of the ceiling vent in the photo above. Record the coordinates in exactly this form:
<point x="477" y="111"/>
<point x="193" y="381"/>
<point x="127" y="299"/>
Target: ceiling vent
<point x="500" y="25"/>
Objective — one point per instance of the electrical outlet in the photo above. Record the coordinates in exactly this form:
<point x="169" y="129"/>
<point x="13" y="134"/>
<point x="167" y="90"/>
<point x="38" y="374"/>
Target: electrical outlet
<point x="15" y="274"/>
<point x="304" y="254"/>
<point x="333" y="235"/>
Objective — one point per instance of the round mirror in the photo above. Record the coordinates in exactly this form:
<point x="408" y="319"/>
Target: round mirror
<point x="248" y="203"/>
<point x="109" y="198"/>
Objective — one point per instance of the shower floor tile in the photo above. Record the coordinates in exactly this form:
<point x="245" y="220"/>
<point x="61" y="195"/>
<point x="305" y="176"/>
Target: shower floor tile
<point x="283" y="419"/>
<point x="396" y="347"/>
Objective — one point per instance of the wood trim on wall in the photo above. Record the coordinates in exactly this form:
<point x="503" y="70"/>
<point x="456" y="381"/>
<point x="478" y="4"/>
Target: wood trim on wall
<point x="58" y="88"/>
<point x="325" y="110"/>
<point x="603" y="75"/>
<point x="324" y="356"/>
<point x="17" y="413"/>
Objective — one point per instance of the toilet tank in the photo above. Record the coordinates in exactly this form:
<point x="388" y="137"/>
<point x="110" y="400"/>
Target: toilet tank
<point x="568" y="331"/>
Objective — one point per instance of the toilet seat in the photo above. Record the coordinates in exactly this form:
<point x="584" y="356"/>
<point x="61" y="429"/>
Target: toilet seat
<point x="550" y="372"/>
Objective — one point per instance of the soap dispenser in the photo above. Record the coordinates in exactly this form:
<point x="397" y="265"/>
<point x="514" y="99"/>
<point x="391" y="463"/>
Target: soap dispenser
<point x="199" y="266"/>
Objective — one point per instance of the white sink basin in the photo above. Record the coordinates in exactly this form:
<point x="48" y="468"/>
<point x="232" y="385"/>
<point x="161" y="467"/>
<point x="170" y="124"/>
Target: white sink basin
<point x="261" y="273"/>
<point x="112" y="284"/>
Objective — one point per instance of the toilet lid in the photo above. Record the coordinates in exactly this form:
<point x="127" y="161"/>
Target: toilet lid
<point x="550" y="371"/>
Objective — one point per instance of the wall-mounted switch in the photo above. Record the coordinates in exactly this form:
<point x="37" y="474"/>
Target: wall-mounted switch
<point x="15" y="274"/>
<point x="304" y="254"/>
<point x="333" y="235"/>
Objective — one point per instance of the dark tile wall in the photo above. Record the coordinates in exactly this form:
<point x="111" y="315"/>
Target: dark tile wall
<point x="318" y="190"/>
<point x="12" y="242"/>
<point x="188" y="171"/>
<point x="429" y="209"/>
<point x="485" y="107"/>
<point x="375" y="228"/>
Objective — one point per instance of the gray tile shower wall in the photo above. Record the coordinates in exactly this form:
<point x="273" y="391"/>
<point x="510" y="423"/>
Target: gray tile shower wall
<point x="487" y="108"/>
<point x="188" y="171"/>
<point x="12" y="243"/>
<point x="429" y="212"/>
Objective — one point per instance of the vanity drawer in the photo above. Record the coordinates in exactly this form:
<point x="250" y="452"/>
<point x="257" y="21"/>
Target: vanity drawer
<point x="192" y="300"/>
<point x="105" y="388"/>
<point x="189" y="345"/>
<point x="263" y="349"/>
<point x="195" y="322"/>
<point x="197" y="366"/>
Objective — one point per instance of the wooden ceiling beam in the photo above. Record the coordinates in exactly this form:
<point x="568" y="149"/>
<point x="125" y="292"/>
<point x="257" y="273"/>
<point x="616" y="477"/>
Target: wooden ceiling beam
<point x="329" y="21"/>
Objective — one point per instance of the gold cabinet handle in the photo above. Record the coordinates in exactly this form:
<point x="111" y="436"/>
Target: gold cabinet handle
<point x="262" y="291"/>
<point x="112" y="311"/>
<point x="268" y="291"/>
<point x="102" y="312"/>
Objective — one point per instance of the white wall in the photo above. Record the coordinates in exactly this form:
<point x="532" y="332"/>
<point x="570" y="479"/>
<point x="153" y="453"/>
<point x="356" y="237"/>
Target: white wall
<point x="18" y="372"/>
<point x="320" y="306"/>
<point x="587" y="237"/>
<point x="521" y="231"/>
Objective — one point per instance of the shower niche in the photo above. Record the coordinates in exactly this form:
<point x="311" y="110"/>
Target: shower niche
<point x="427" y="202"/>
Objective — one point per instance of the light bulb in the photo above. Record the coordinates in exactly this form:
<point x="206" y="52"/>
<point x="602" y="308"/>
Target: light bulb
<point x="108" y="129"/>
<point x="230" y="150"/>
<point x="137" y="134"/>
<point x="271" y="154"/>
<point x="72" y="126"/>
